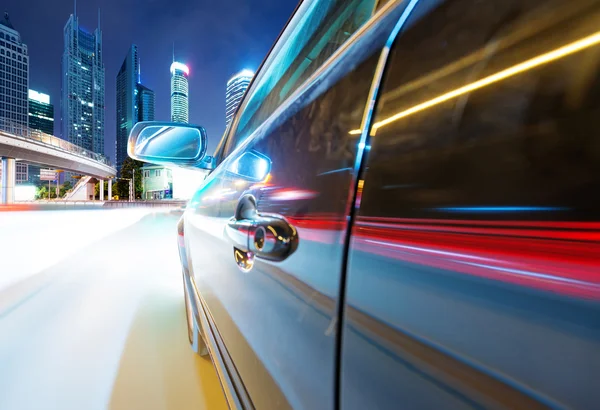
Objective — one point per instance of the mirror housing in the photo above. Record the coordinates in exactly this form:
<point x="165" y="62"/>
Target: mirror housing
<point x="251" y="166"/>
<point x="167" y="143"/>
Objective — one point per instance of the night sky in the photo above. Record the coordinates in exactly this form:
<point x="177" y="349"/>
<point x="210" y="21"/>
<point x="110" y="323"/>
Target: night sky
<point x="216" y="38"/>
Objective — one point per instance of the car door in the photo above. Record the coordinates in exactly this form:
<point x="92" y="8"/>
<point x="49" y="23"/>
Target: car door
<point x="473" y="271"/>
<point x="289" y="159"/>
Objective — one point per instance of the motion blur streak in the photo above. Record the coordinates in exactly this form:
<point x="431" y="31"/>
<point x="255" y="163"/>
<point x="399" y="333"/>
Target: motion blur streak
<point x="32" y="241"/>
<point x="560" y="258"/>
<point x="542" y="59"/>
<point x="103" y="327"/>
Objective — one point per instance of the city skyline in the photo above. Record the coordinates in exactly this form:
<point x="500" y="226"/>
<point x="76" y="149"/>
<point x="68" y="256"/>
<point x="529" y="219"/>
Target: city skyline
<point x="244" y="43"/>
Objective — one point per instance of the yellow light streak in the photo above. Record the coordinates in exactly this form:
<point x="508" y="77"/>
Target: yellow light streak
<point x="527" y="65"/>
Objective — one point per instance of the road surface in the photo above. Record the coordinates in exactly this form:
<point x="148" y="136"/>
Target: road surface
<point x="92" y="314"/>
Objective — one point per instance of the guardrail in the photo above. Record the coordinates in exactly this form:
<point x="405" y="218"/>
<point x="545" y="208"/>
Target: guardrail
<point x="64" y="202"/>
<point x="145" y="204"/>
<point x="24" y="132"/>
<point x="53" y="204"/>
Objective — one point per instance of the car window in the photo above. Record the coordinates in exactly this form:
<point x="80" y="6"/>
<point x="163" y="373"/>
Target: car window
<point x="458" y="128"/>
<point x="317" y="30"/>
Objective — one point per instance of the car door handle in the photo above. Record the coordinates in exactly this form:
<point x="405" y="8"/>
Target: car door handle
<point x="267" y="236"/>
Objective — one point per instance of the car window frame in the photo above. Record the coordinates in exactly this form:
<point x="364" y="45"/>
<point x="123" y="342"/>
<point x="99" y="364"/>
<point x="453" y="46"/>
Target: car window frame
<point x="225" y="149"/>
<point x="230" y="130"/>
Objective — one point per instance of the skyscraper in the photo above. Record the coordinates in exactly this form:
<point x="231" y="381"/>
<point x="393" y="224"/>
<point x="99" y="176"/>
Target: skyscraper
<point x="41" y="118"/>
<point x="82" y="102"/>
<point x="179" y="92"/>
<point x="14" y="76"/>
<point x="41" y="112"/>
<point x="127" y="79"/>
<point x="145" y="103"/>
<point x="135" y="102"/>
<point x="236" y="88"/>
<point x="14" y="80"/>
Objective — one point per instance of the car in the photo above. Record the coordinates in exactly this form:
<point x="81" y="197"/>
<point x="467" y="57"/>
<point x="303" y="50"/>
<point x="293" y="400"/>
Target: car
<point x="404" y="211"/>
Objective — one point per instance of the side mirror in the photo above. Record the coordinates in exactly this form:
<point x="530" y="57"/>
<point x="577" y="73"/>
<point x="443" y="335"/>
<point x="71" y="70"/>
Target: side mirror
<point x="166" y="143"/>
<point x="251" y="166"/>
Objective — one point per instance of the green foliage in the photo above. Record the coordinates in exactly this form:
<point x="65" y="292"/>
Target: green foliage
<point x="41" y="192"/>
<point x="130" y="166"/>
<point x="64" y="188"/>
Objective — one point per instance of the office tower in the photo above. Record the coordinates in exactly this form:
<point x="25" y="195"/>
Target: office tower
<point x="135" y="102"/>
<point x="14" y="82"/>
<point x="127" y="80"/>
<point x="14" y="76"/>
<point x="236" y="88"/>
<point x="82" y="102"/>
<point x="41" y="112"/>
<point x="179" y="92"/>
<point x="41" y="119"/>
<point x="145" y="103"/>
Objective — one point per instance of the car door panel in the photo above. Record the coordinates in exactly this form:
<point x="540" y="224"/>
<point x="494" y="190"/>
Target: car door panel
<point x="473" y="266"/>
<point x="278" y="320"/>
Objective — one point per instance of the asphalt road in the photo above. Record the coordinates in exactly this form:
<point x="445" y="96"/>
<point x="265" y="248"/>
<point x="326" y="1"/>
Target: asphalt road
<point x="92" y="314"/>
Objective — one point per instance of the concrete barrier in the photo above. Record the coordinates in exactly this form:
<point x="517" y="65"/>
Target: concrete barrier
<point x="74" y="204"/>
<point x="146" y="204"/>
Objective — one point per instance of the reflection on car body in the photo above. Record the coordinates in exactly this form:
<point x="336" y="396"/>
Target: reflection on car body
<point x="435" y="170"/>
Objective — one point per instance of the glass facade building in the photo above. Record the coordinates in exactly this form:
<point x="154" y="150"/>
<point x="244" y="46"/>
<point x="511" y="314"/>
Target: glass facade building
<point x="127" y="79"/>
<point x="82" y="103"/>
<point x="41" y="118"/>
<point x="236" y="88"/>
<point x="14" y="79"/>
<point x="179" y="92"/>
<point x="135" y="102"/>
<point x="145" y="103"/>
<point x="14" y="82"/>
<point x="41" y="112"/>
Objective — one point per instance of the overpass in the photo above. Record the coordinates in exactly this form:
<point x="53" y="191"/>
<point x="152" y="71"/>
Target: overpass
<point x="47" y="150"/>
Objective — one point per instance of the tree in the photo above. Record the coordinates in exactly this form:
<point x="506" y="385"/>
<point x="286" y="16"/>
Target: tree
<point x="129" y="167"/>
<point x="41" y="193"/>
<point x="64" y="188"/>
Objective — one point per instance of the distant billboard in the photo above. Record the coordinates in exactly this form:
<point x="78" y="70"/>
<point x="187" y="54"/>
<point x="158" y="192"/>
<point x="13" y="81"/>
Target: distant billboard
<point x="48" y="175"/>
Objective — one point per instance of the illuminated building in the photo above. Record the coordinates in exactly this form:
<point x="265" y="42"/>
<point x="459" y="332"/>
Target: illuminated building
<point x="41" y="118"/>
<point x="14" y="73"/>
<point x="180" y="113"/>
<point x="145" y="103"/>
<point x="83" y="86"/>
<point x="157" y="182"/>
<point x="179" y="92"/>
<point x="41" y="112"/>
<point x="135" y="102"/>
<point x="236" y="88"/>
<point x="127" y="79"/>
<point x="14" y="80"/>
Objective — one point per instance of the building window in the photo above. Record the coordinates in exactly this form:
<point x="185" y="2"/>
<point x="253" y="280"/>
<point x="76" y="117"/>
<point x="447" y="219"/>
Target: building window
<point x="146" y="174"/>
<point x="157" y="172"/>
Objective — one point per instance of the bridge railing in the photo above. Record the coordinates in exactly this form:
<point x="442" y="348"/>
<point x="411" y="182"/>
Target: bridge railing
<point x="21" y="131"/>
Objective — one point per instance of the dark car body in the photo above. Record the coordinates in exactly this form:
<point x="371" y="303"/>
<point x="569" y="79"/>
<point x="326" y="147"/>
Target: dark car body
<point x="437" y="167"/>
